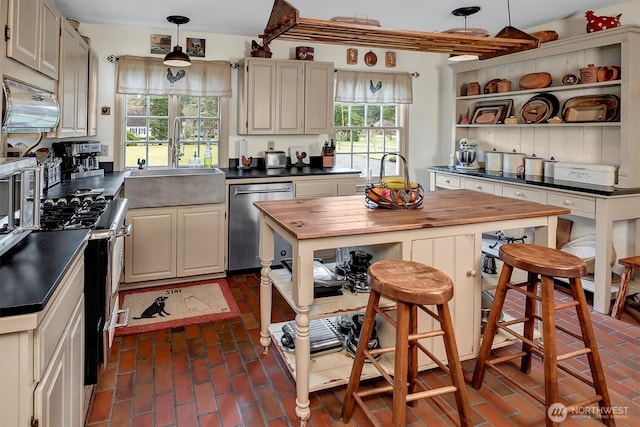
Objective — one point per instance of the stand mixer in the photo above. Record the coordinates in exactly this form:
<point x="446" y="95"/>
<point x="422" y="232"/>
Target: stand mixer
<point x="466" y="156"/>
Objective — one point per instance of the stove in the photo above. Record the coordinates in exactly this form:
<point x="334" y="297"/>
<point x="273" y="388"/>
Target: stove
<point x="103" y="256"/>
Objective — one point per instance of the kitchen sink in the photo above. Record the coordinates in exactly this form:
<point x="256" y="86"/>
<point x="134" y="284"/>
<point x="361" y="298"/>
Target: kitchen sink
<point x="146" y="188"/>
<point x="174" y="172"/>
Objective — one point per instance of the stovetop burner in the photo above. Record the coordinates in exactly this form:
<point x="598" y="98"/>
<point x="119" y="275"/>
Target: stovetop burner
<point x="71" y="212"/>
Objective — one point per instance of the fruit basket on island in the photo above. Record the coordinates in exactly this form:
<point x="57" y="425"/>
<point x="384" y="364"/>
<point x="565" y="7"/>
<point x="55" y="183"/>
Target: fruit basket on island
<point x="394" y="192"/>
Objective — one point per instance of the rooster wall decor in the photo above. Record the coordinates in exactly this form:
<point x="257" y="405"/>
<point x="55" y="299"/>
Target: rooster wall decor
<point x="172" y="79"/>
<point x="374" y="88"/>
<point x="597" y="23"/>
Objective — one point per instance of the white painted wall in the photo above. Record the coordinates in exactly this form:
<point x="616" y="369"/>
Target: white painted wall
<point x="424" y="136"/>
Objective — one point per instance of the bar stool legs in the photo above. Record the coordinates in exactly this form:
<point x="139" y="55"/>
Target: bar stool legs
<point x="546" y="264"/>
<point x="406" y="386"/>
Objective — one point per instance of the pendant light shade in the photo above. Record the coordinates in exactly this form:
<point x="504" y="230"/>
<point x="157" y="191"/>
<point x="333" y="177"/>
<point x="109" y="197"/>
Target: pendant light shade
<point x="464" y="11"/>
<point x="177" y="58"/>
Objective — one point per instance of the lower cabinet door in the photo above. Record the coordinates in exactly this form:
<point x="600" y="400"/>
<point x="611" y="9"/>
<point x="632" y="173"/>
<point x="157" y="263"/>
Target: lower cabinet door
<point x="200" y="240"/>
<point x="455" y="257"/>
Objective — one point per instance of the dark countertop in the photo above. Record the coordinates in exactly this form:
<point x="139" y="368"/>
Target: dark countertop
<point x="235" y="173"/>
<point x="111" y="182"/>
<point x="540" y="181"/>
<point x="32" y="269"/>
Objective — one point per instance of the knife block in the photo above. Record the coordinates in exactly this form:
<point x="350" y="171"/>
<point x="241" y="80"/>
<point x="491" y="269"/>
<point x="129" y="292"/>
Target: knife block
<point x="328" y="160"/>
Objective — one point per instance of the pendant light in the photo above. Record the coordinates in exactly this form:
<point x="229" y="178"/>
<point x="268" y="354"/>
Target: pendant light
<point x="464" y="11"/>
<point x="177" y="58"/>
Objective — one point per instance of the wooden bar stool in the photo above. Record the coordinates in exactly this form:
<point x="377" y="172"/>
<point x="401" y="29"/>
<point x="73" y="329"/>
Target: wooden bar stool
<point x="547" y="263"/>
<point x="411" y="285"/>
<point x="631" y="263"/>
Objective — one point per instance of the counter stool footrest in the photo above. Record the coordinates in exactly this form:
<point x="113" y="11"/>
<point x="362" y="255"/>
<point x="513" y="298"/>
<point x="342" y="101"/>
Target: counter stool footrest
<point x="517" y="335"/>
<point x="374" y="391"/>
<point x="518" y="287"/>
<point x="566" y="305"/>
<point x="570" y="332"/>
<point x="506" y="358"/>
<point x="429" y="393"/>
<point x="422" y="335"/>
<point x="573" y="354"/>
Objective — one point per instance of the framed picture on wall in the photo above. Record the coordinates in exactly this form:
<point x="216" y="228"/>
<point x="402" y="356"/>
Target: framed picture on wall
<point x="195" y="47"/>
<point x="160" y="43"/>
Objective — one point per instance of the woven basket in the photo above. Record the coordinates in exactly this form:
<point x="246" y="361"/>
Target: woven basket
<point x="403" y="194"/>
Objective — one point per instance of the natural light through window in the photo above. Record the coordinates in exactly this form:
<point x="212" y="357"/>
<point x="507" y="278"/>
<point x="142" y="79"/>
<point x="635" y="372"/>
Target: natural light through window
<point x="149" y="126"/>
<point x="364" y="133"/>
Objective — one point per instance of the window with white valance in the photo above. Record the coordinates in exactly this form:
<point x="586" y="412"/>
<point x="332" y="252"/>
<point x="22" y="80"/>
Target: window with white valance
<point x="358" y="87"/>
<point x="149" y="76"/>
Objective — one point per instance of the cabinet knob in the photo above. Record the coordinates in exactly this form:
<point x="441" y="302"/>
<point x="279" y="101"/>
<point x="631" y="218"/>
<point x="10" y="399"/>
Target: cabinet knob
<point x="519" y="194"/>
<point x="471" y="272"/>
<point x="567" y="202"/>
<point x="478" y="187"/>
<point x="447" y="181"/>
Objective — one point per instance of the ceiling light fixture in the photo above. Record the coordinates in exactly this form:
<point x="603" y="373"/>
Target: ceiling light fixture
<point x="177" y="58"/>
<point x="464" y="11"/>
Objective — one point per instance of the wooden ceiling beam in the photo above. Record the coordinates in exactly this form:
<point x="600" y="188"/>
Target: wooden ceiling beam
<point x="285" y="23"/>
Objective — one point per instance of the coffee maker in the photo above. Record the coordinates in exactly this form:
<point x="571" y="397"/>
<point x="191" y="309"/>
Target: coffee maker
<point x="79" y="158"/>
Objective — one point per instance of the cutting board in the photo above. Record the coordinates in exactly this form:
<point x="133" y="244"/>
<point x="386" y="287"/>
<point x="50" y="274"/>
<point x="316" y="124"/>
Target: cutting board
<point x="301" y="149"/>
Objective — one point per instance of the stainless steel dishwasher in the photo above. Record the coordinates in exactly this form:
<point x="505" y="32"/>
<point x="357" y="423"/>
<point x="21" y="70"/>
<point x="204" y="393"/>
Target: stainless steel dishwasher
<point x="244" y="224"/>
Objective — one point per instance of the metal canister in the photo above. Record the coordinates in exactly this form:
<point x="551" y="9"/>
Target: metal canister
<point x="493" y="161"/>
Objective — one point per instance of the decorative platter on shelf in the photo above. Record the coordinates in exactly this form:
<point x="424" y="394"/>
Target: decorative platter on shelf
<point x="370" y="58"/>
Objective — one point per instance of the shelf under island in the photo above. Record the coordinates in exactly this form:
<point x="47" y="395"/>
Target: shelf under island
<point x="446" y="233"/>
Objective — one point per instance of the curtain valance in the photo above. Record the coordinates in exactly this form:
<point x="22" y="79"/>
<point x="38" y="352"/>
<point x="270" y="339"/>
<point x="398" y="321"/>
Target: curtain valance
<point x="149" y="76"/>
<point x="359" y="87"/>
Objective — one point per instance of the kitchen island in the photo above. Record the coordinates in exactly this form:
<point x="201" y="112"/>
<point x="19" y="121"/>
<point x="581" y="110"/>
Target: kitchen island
<point x="446" y="233"/>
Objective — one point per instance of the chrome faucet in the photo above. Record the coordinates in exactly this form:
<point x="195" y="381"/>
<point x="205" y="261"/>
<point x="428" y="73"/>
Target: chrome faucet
<point x="174" y="143"/>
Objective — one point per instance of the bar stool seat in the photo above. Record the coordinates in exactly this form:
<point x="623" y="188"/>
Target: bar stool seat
<point x="544" y="263"/>
<point x="630" y="264"/>
<point x="412" y="285"/>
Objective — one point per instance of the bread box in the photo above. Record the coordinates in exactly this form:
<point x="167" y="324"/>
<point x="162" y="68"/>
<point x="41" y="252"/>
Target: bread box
<point x="586" y="173"/>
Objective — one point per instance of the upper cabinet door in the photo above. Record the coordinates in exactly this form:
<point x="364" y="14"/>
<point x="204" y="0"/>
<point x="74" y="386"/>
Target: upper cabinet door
<point x="318" y="101"/>
<point x="34" y="35"/>
<point x="24" y="32"/>
<point x="50" y="40"/>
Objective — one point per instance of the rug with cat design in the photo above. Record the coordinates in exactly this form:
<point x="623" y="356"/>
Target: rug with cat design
<point x="170" y="306"/>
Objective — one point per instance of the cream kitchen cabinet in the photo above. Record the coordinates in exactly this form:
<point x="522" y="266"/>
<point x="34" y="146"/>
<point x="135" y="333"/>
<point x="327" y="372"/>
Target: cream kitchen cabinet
<point x="42" y="361"/>
<point x="285" y="97"/>
<point x="34" y="35"/>
<point x="174" y="242"/>
<point x="73" y="84"/>
<point x="321" y="186"/>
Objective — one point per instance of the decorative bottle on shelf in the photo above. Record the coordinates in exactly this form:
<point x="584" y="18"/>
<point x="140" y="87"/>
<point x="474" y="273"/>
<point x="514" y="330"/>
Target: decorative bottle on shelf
<point x="208" y="157"/>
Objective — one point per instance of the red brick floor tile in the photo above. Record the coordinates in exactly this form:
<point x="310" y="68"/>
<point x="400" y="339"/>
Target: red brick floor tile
<point x="162" y="354"/>
<point x="199" y="370"/>
<point x="143" y="398"/>
<point x="183" y="388"/>
<point x="229" y="410"/>
<point x="205" y="399"/>
<point x="164" y="409"/>
<point x="127" y="361"/>
<point x="145" y="347"/>
<point x="180" y="363"/>
<point x="163" y="379"/>
<point x="242" y="389"/>
<point x="122" y="414"/>
<point x="220" y="379"/>
<point x="144" y="371"/>
<point x="251" y="415"/>
<point x="124" y="387"/>
<point x="210" y="420"/>
<point x="101" y="406"/>
<point x="187" y="414"/>
<point x="145" y="420"/>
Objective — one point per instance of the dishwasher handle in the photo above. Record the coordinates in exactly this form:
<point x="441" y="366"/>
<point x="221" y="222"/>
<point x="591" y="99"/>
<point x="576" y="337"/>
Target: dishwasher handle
<point x="279" y="190"/>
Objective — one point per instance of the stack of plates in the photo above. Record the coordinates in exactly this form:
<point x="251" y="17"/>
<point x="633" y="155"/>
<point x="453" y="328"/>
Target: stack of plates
<point x="540" y="108"/>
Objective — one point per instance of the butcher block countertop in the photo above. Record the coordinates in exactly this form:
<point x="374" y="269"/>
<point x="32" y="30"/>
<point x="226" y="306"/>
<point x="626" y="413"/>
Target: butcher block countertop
<point x="343" y="216"/>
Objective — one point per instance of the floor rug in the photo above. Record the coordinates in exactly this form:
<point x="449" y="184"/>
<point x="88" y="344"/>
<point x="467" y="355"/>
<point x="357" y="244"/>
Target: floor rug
<point x="171" y="306"/>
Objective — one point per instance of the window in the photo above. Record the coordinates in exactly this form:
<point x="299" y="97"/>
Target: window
<point x="149" y="121"/>
<point x="364" y="133"/>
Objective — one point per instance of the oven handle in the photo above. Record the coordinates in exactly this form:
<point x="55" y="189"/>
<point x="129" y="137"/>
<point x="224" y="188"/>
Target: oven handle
<point x="124" y="231"/>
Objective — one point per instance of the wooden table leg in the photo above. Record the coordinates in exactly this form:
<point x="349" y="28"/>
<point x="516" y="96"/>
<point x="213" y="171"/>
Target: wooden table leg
<point x="618" y="307"/>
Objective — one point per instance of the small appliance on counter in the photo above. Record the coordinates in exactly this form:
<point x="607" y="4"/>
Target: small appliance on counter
<point x="466" y="156"/>
<point x="275" y="159"/>
<point x="79" y="158"/>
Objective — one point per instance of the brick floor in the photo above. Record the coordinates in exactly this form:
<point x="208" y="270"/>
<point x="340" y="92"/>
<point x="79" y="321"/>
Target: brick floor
<point x="215" y="375"/>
